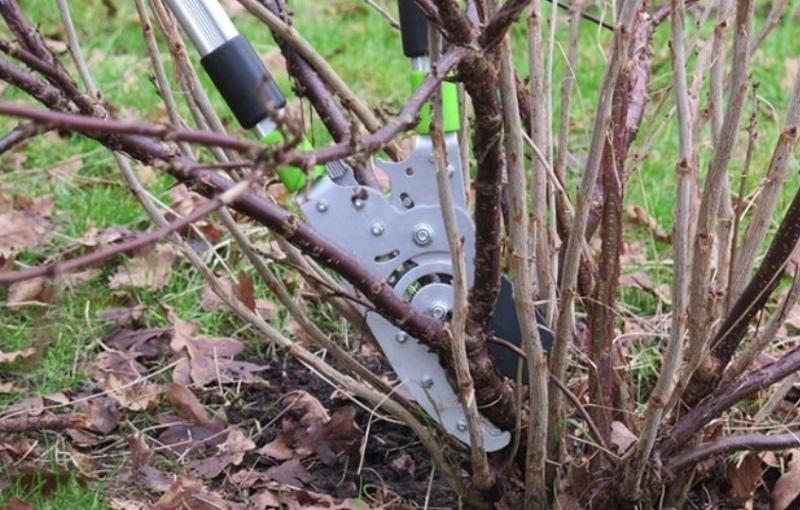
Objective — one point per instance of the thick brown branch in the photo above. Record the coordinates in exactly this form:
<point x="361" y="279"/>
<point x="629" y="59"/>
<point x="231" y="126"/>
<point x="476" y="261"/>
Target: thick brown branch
<point x="740" y="442"/>
<point x="722" y="399"/>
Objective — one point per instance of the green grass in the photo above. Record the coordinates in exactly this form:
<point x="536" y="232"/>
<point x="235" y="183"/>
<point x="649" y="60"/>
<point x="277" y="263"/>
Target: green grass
<point x="365" y="51"/>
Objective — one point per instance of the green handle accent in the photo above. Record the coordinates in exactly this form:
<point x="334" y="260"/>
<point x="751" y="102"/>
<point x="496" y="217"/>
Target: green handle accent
<point x="450" y="116"/>
<point x="292" y="177"/>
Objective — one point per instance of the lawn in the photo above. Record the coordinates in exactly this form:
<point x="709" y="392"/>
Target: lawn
<point x="87" y="191"/>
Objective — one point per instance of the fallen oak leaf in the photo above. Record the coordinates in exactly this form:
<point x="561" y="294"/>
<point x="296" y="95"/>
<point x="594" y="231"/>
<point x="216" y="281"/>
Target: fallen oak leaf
<point x="331" y="439"/>
<point x="230" y="453"/>
<point x="187" y="404"/>
<point x="152" y="270"/>
<point x="20" y="231"/>
<point x="34" y="290"/>
<point x="123" y="315"/>
<point x="290" y="473"/>
<point x="309" y="404"/>
<point x="145" y="343"/>
<point x="281" y="448"/>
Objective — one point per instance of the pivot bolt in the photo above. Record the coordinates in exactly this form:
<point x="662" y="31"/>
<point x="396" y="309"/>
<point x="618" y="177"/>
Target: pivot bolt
<point x="359" y="203"/>
<point x="423" y="235"/>
<point x="438" y="311"/>
<point x="461" y="425"/>
<point x="401" y="337"/>
<point x="427" y="382"/>
<point x="322" y="206"/>
<point x="377" y="229"/>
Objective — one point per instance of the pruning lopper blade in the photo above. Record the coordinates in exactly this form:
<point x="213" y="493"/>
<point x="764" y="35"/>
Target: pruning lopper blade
<point x="399" y="236"/>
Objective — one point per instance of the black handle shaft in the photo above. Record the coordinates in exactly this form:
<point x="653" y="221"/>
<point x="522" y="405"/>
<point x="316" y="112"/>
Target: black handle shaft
<point x="244" y="82"/>
<point x="413" y="29"/>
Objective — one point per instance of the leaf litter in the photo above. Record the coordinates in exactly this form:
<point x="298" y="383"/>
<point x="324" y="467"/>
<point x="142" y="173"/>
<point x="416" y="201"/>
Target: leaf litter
<point x="217" y="431"/>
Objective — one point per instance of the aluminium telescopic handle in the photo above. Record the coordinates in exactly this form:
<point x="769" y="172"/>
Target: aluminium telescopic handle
<point x="413" y="29"/>
<point x="230" y="61"/>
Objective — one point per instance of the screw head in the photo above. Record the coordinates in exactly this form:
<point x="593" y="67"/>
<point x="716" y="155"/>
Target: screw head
<point x="450" y="170"/>
<point x="461" y="425"/>
<point x="427" y="382"/>
<point x="377" y="229"/>
<point x="358" y="203"/>
<point x="423" y="235"/>
<point x="401" y="337"/>
<point x="438" y="311"/>
<point x="322" y="206"/>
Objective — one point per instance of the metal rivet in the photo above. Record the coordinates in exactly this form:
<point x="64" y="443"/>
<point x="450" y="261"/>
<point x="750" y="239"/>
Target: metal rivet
<point x="427" y="382"/>
<point x="450" y="170"/>
<point x="377" y="229"/>
<point x="438" y="311"/>
<point x="401" y="337"/>
<point x="461" y="425"/>
<point x="322" y="206"/>
<point x="358" y="203"/>
<point x="423" y="235"/>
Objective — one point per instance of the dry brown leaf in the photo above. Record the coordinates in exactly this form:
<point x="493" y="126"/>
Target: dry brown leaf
<point x="291" y="473"/>
<point x="249" y="478"/>
<point x="136" y="397"/>
<point x="145" y="343"/>
<point x="243" y="290"/>
<point x="185" y="493"/>
<point x="20" y="231"/>
<point x="300" y="333"/>
<point x="187" y="404"/>
<point x="273" y="59"/>
<point x="637" y="215"/>
<point x="307" y="500"/>
<point x="101" y="414"/>
<point x="281" y="448"/>
<point x="10" y="357"/>
<point x="7" y="388"/>
<point x="127" y="504"/>
<point x="621" y="437"/>
<point x="122" y="376"/>
<point x="787" y="488"/>
<point x="744" y="479"/>
<point x="208" y="359"/>
<point x="331" y="439"/>
<point x="80" y="277"/>
<point x="27" y="292"/>
<point x="106" y="236"/>
<point x="265" y="499"/>
<point x="230" y="453"/>
<point x="313" y="409"/>
<point x="404" y="465"/>
<point x="152" y="270"/>
<point x="66" y="168"/>
<point x="122" y="316"/>
<point x="17" y="504"/>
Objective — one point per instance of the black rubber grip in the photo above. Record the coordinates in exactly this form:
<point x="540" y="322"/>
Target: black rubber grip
<point x="244" y="82"/>
<point x="414" y="29"/>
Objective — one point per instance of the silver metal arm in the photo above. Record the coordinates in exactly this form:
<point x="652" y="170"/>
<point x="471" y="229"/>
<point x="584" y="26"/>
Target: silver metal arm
<point x="205" y="22"/>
